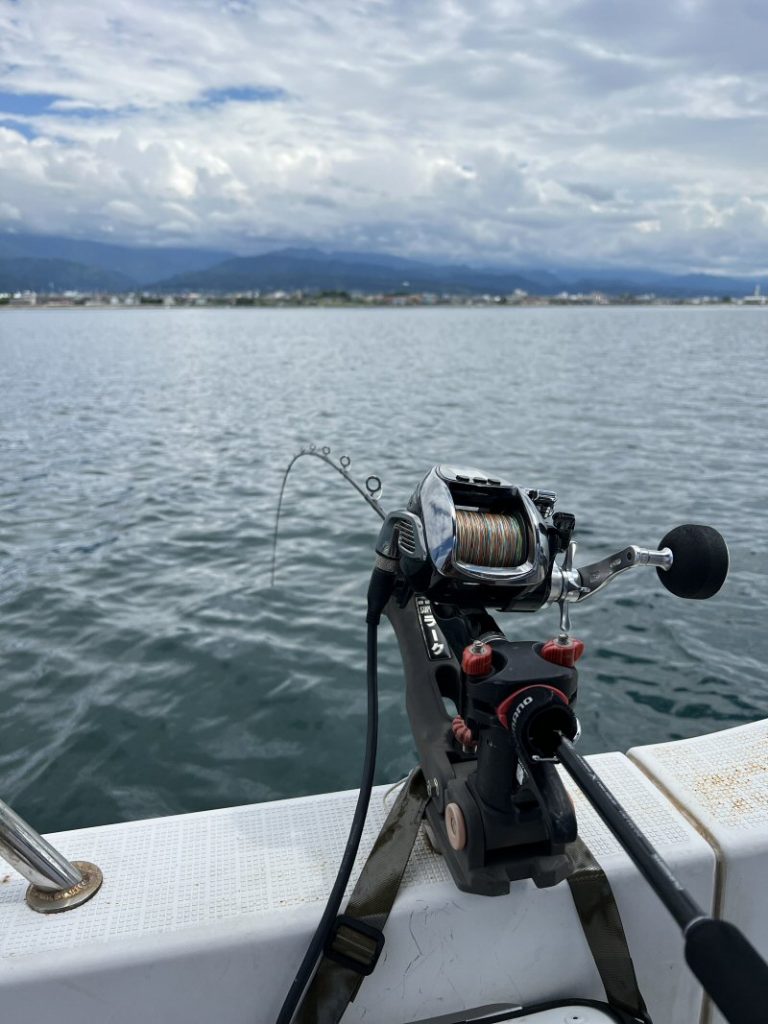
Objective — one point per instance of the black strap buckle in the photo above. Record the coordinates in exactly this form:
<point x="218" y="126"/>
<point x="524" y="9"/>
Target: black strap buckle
<point x="354" y="944"/>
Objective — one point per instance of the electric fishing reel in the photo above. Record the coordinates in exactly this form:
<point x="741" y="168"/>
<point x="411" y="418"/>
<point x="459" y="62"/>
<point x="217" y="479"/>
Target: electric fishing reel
<point x="468" y="539"/>
<point x="467" y="542"/>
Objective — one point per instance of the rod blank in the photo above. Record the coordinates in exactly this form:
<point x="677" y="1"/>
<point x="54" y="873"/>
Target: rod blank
<point x="727" y="965"/>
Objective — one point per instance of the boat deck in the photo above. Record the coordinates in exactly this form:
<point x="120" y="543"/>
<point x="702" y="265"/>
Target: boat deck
<point x="204" y="917"/>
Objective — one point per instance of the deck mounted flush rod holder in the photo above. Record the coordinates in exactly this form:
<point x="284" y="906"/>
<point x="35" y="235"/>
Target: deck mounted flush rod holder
<point x="56" y="884"/>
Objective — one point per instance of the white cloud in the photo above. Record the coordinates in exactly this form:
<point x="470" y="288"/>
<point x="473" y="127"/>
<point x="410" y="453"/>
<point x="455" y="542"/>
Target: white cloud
<point x="8" y="212"/>
<point x="550" y="131"/>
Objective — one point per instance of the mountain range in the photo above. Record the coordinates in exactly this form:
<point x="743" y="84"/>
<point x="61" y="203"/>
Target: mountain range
<point x="50" y="263"/>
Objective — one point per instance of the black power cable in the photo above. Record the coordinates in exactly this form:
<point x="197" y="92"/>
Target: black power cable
<point x="319" y="939"/>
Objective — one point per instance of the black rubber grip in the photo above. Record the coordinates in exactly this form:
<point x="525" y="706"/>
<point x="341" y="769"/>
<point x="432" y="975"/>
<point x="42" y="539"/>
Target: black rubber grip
<point x="700" y="561"/>
<point x="730" y="970"/>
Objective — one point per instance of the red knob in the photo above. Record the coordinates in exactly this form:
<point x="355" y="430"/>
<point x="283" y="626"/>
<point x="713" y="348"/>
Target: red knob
<point x="477" y="659"/>
<point x="559" y="653"/>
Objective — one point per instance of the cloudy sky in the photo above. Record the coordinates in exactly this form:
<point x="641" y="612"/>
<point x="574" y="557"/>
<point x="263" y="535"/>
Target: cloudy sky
<point x="554" y="131"/>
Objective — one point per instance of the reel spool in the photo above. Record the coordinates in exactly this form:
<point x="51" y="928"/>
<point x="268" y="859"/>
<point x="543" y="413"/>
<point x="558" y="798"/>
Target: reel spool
<point x="489" y="539"/>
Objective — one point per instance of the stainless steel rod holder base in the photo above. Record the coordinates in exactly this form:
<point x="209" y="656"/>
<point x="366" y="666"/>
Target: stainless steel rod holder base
<point x="54" y="901"/>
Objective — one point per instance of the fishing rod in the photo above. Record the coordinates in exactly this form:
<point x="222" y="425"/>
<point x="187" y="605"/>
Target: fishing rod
<point x="728" y="967"/>
<point x="497" y="810"/>
<point x="372" y="491"/>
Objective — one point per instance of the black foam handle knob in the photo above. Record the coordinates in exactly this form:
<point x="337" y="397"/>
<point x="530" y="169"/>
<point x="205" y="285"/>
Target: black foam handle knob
<point x="700" y="561"/>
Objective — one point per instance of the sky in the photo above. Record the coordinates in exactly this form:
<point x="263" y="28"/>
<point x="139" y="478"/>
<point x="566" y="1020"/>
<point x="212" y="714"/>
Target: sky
<point x="518" y="132"/>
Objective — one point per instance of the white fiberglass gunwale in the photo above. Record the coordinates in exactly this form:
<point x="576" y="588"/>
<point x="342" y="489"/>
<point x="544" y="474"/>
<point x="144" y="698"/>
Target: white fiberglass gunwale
<point x="204" y="917"/>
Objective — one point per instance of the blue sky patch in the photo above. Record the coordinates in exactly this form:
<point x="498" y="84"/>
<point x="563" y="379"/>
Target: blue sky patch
<point x="18" y="126"/>
<point x="242" y="94"/>
<point x="34" y="104"/>
<point x="89" y="112"/>
<point x="29" y="104"/>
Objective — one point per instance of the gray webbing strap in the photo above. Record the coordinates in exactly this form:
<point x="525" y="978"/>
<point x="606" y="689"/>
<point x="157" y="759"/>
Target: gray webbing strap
<point x="335" y="985"/>
<point x="601" y="922"/>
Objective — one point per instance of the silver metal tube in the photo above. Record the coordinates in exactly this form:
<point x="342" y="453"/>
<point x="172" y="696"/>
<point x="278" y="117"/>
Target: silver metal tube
<point x="662" y="559"/>
<point x="32" y="856"/>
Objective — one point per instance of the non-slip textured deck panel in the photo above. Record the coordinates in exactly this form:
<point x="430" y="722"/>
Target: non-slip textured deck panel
<point x="720" y="782"/>
<point x="648" y="808"/>
<point x="168" y="874"/>
<point x="722" y="779"/>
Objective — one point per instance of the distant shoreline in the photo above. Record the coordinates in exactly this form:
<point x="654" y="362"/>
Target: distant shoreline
<point x="218" y="307"/>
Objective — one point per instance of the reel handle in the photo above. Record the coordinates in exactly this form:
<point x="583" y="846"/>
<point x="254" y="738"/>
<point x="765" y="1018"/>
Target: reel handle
<point x="691" y="561"/>
<point x="699" y="562"/>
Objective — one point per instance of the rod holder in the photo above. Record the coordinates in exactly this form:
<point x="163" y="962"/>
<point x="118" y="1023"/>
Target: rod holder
<point x="56" y="884"/>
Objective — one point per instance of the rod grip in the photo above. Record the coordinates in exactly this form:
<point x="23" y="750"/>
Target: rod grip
<point x="730" y="970"/>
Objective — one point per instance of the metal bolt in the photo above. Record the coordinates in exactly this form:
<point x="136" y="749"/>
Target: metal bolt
<point x="433" y="787"/>
<point x="46" y="901"/>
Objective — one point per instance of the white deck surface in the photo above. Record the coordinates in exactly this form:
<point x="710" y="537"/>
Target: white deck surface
<point x="205" y="917"/>
<point x="721" y="781"/>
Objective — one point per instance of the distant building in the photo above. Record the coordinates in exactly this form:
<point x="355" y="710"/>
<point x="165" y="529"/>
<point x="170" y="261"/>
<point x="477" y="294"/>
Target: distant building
<point x="755" y="299"/>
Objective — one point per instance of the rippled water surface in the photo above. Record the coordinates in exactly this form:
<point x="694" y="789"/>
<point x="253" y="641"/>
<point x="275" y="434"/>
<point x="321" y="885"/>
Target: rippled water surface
<point x="146" y="667"/>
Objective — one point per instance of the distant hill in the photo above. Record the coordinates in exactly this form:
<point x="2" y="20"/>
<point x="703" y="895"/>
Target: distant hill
<point x="141" y="265"/>
<point x="637" y="282"/>
<point x="54" y="263"/>
<point x="37" y="275"/>
<point x="313" y="270"/>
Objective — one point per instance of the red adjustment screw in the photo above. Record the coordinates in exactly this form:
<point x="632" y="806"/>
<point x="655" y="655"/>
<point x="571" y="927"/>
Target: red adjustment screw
<point x="463" y="733"/>
<point x="477" y="659"/>
<point x="562" y="653"/>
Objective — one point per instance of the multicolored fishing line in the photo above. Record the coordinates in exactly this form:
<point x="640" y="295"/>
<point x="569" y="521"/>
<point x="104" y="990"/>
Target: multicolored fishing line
<point x="489" y="539"/>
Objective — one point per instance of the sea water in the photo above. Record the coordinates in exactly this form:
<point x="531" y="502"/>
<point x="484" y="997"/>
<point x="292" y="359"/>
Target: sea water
<point x="146" y="665"/>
